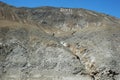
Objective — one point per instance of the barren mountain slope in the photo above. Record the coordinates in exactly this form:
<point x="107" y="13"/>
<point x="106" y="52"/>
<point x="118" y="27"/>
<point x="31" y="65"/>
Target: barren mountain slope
<point x="48" y="43"/>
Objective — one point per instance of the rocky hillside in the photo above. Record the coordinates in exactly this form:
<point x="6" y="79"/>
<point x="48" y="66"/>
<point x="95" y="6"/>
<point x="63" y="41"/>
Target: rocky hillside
<point x="48" y="43"/>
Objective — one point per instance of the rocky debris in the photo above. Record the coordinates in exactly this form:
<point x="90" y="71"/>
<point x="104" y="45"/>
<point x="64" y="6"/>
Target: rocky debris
<point x="50" y="43"/>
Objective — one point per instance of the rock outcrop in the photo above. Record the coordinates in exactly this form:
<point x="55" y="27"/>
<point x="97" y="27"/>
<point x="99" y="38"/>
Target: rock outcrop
<point x="48" y="43"/>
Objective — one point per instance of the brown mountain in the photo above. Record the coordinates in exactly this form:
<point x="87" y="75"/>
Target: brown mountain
<point x="48" y="43"/>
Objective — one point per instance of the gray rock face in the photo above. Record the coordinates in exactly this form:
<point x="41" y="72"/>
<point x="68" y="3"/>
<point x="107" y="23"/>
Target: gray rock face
<point x="50" y="43"/>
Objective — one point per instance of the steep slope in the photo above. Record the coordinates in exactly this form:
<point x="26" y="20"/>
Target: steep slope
<point x="48" y="43"/>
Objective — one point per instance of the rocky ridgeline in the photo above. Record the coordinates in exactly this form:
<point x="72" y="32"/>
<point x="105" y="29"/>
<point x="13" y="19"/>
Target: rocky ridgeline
<point x="48" y="43"/>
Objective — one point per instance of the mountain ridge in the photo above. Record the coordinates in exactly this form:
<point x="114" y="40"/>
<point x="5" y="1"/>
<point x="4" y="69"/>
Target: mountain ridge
<point x="49" y="43"/>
